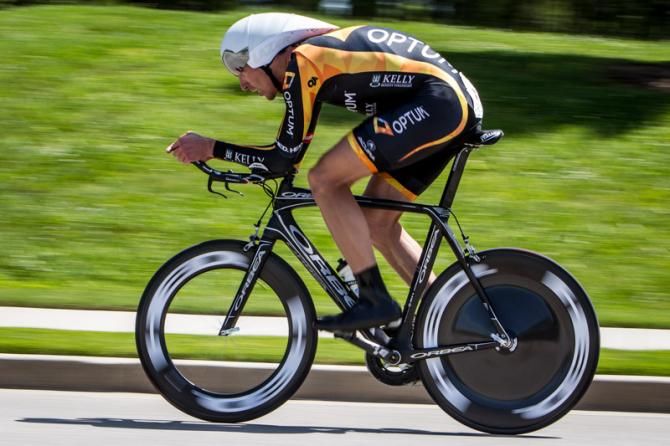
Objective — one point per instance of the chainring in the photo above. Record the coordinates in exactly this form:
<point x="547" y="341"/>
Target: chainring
<point x="392" y="375"/>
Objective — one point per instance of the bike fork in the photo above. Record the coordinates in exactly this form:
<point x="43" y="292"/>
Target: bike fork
<point x="262" y="252"/>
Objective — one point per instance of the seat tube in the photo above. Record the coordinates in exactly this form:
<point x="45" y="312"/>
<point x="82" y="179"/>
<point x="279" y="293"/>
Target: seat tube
<point x="454" y="179"/>
<point x="421" y="277"/>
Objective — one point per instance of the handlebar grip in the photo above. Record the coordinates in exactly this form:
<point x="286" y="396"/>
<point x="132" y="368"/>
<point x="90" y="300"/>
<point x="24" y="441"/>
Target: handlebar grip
<point x="203" y="166"/>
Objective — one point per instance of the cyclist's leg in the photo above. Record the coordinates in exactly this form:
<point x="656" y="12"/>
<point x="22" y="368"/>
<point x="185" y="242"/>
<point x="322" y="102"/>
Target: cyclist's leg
<point x="403" y="184"/>
<point x="394" y="142"/>
<point x="397" y="246"/>
<point x="410" y="161"/>
<point x="330" y="180"/>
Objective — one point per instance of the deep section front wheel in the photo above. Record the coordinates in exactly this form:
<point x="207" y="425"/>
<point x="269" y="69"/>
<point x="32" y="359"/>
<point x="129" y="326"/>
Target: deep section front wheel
<point x="543" y="377"/>
<point x="231" y="378"/>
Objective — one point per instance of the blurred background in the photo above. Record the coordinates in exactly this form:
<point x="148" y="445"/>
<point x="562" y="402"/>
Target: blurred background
<point x="93" y="91"/>
<point x="637" y="18"/>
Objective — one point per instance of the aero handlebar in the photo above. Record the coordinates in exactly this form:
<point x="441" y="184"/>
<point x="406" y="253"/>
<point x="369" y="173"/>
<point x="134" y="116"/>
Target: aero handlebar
<point x="229" y="177"/>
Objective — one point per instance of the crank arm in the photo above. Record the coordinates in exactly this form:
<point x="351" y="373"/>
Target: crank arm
<point x="390" y="356"/>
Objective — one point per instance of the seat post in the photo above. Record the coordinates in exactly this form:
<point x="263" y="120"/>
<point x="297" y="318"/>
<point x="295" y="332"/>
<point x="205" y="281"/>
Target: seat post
<point x="457" y="168"/>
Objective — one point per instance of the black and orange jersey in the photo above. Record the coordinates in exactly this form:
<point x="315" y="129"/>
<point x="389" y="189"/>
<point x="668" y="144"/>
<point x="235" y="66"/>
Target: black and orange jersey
<point x="365" y="69"/>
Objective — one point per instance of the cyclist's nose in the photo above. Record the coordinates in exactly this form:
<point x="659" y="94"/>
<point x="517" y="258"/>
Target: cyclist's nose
<point x="244" y="85"/>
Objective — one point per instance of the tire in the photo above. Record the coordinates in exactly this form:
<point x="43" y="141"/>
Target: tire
<point x="180" y="315"/>
<point x="509" y="392"/>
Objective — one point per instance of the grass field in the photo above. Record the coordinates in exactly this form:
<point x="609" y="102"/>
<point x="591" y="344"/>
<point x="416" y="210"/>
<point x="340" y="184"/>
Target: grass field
<point x="261" y="349"/>
<point x="90" y="205"/>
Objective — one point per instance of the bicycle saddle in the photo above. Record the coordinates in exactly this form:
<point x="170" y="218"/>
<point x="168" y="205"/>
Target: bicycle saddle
<point x="479" y="137"/>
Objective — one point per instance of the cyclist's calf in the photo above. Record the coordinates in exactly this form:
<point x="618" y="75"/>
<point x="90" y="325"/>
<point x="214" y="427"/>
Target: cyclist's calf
<point x="385" y="230"/>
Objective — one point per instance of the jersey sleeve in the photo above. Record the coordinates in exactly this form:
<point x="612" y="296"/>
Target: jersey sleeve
<point x="299" y="90"/>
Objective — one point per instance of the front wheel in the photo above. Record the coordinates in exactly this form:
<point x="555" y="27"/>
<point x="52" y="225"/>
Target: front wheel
<point x="208" y="375"/>
<point x="544" y="308"/>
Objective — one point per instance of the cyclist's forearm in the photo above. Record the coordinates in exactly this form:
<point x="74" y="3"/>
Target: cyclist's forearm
<point x="268" y="155"/>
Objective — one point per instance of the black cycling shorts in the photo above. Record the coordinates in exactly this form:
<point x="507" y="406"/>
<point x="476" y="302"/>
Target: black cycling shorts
<point x="409" y="145"/>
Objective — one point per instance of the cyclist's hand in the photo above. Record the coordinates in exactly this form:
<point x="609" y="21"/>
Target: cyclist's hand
<point x="192" y="147"/>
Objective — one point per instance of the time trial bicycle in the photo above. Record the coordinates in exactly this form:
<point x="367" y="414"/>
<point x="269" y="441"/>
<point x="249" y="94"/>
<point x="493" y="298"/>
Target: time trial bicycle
<point x="505" y="341"/>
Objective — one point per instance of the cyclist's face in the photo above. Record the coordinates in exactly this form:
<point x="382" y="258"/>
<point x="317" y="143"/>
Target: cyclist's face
<point x="255" y="79"/>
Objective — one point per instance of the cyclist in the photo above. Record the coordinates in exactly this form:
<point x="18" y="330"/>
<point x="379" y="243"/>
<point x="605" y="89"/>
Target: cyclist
<point x="416" y="104"/>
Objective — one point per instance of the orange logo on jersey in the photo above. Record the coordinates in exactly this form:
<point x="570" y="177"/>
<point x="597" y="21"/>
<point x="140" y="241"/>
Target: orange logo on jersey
<point x="381" y="126"/>
<point x="288" y="80"/>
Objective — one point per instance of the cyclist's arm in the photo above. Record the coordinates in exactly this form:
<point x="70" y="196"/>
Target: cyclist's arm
<point x="295" y="132"/>
<point x="268" y="156"/>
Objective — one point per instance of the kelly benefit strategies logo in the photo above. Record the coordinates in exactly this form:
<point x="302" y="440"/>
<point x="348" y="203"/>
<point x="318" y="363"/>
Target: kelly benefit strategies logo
<point x="392" y="80"/>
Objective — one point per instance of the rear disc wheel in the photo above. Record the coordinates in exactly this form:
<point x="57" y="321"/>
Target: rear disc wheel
<point x="543" y="377"/>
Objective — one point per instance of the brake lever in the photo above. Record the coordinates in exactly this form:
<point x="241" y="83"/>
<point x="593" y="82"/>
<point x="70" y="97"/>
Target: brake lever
<point x="233" y="190"/>
<point x="211" y="189"/>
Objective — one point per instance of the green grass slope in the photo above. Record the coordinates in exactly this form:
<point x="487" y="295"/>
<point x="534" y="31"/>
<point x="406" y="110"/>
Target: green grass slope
<point x="90" y="205"/>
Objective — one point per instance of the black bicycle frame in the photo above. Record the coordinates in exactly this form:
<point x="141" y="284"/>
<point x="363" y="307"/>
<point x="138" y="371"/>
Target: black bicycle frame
<point x="282" y="226"/>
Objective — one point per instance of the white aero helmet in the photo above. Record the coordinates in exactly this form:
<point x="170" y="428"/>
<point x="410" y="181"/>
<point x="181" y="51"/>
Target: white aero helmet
<point x="256" y="40"/>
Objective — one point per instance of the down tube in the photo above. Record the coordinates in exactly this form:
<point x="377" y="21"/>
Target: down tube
<point x="285" y="227"/>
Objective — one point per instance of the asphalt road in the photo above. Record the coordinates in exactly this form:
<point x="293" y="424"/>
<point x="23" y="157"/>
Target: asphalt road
<point x="30" y="417"/>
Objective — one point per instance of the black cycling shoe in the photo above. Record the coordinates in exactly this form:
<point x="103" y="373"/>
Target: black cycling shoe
<point x="371" y="310"/>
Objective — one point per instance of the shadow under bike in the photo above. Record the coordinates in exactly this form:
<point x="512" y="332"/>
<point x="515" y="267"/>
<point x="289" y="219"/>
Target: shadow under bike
<point x="505" y="341"/>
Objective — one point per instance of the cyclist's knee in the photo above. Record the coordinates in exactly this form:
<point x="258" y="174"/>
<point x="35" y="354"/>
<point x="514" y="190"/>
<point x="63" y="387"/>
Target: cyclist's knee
<point x="322" y="179"/>
<point x="339" y="168"/>
<point x="317" y="177"/>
